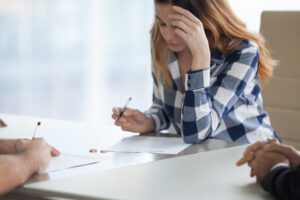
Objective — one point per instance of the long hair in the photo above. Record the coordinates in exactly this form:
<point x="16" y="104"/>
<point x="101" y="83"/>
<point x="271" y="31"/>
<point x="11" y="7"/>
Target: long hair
<point x="224" y="31"/>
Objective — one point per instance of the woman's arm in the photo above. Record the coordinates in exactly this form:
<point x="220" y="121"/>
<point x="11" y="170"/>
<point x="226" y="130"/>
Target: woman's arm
<point x="156" y="111"/>
<point x="204" y="105"/>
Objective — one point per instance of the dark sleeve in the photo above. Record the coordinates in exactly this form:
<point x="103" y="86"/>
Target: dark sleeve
<point x="283" y="183"/>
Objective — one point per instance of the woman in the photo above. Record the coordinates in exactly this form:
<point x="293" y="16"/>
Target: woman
<point x="207" y="69"/>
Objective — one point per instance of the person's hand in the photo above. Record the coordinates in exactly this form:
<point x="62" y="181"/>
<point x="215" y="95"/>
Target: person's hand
<point x="288" y="151"/>
<point x="263" y="162"/>
<point x="37" y="152"/>
<point x="133" y="120"/>
<point x="250" y="151"/>
<point x="191" y="30"/>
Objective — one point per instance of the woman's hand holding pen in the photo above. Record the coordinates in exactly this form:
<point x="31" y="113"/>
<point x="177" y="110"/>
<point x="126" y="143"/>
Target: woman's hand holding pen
<point x="191" y="30"/>
<point x="133" y="120"/>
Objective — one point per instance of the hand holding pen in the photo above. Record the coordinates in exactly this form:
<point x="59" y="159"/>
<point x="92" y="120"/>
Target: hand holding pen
<point x="132" y="120"/>
<point x="54" y="151"/>
<point x="123" y="110"/>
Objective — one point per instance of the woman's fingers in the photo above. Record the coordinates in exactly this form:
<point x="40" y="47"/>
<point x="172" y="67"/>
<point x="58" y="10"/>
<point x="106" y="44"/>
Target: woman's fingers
<point x="116" y="112"/>
<point x="186" y="13"/>
<point x="180" y="18"/>
<point x="121" y="121"/>
<point x="182" y="26"/>
<point x="181" y="34"/>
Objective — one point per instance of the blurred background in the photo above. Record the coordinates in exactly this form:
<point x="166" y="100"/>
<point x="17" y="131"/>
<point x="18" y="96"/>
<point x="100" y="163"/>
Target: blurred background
<point x="76" y="59"/>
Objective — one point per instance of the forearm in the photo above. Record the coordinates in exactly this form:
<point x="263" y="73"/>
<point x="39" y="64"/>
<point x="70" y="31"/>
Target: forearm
<point x="7" y="146"/>
<point x="14" y="171"/>
<point x="199" y="119"/>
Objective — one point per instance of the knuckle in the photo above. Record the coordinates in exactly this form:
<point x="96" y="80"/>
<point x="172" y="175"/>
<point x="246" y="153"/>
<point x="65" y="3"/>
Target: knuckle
<point x="290" y="149"/>
<point x="259" y="152"/>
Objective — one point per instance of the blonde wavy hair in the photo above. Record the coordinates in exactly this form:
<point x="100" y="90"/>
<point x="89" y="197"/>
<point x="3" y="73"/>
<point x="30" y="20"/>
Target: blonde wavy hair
<point x="224" y="30"/>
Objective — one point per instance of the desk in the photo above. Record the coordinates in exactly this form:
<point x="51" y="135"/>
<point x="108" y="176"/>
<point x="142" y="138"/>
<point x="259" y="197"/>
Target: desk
<point x="78" y="138"/>
<point x="212" y="175"/>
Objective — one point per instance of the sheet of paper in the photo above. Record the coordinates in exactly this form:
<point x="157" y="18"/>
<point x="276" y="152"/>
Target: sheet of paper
<point x="66" y="161"/>
<point x="150" y="144"/>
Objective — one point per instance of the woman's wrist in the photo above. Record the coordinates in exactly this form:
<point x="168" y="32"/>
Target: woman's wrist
<point x="200" y="62"/>
<point x="150" y="125"/>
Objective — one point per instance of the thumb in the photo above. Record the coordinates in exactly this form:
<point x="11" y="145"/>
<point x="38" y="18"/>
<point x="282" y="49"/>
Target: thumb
<point x="54" y="152"/>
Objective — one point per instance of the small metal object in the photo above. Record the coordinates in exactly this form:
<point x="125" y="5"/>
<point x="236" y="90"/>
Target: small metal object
<point x="93" y="150"/>
<point x="103" y="151"/>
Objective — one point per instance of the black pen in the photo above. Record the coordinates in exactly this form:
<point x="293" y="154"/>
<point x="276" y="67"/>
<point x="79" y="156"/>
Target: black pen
<point x="123" y="109"/>
<point x="34" y="132"/>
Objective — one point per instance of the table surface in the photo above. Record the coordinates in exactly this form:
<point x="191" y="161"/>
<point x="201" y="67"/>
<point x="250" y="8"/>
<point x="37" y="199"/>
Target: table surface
<point x="78" y="138"/>
<point x="210" y="175"/>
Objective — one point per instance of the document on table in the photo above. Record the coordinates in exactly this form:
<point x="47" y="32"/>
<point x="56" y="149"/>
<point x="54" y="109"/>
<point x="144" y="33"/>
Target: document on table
<point x="66" y="161"/>
<point x="150" y="144"/>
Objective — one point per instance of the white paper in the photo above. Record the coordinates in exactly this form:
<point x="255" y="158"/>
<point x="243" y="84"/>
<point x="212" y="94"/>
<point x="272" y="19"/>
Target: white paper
<point x="148" y="144"/>
<point x="66" y="161"/>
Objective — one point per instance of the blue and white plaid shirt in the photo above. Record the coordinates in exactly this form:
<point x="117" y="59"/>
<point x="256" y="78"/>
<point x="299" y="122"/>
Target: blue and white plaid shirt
<point x="222" y="102"/>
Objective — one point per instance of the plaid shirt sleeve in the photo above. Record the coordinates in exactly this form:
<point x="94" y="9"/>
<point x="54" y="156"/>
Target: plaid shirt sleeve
<point x="156" y="111"/>
<point x="204" y="105"/>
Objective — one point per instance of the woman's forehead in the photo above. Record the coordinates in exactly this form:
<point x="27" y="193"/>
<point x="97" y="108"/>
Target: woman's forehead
<point x="163" y="9"/>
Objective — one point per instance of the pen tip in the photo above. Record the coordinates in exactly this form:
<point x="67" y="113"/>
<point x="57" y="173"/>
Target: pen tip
<point x="39" y="123"/>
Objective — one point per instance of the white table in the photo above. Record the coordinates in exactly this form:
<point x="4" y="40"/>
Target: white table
<point x="78" y="138"/>
<point x="212" y="175"/>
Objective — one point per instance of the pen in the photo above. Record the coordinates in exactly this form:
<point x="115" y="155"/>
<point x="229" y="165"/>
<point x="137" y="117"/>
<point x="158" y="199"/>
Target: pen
<point x="123" y="109"/>
<point x="34" y="132"/>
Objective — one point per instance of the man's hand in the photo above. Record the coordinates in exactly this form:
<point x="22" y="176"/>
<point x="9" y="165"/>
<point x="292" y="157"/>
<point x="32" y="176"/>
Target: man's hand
<point x="249" y="153"/>
<point x="37" y="152"/>
<point x="264" y="161"/>
<point x="288" y="151"/>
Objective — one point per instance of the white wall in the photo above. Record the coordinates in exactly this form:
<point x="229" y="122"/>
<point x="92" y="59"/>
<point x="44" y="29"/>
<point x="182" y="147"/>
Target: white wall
<point x="76" y="59"/>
